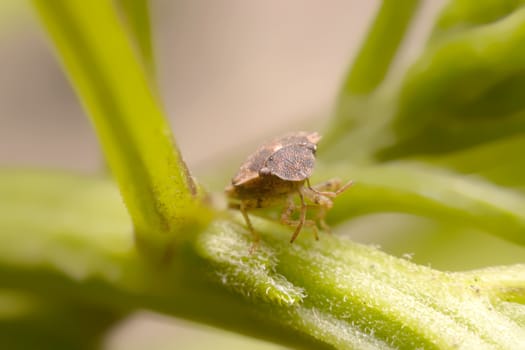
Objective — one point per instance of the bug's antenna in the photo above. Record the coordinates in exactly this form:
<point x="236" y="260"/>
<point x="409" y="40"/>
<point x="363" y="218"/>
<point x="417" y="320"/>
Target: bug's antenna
<point x="344" y="188"/>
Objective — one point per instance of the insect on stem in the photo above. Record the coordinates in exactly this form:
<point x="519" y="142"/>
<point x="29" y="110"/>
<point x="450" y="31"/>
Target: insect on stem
<point x="278" y="170"/>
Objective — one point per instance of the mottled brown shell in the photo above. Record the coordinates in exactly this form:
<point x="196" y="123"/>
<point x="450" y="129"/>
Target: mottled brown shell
<point x="290" y="157"/>
<point x="290" y="163"/>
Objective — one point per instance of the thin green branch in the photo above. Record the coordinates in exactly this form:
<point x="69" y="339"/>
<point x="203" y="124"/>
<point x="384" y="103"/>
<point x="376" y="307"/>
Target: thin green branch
<point x="135" y="136"/>
<point x="462" y="15"/>
<point x="375" y="57"/>
<point x="137" y="14"/>
<point x="431" y="192"/>
<point x="356" y="106"/>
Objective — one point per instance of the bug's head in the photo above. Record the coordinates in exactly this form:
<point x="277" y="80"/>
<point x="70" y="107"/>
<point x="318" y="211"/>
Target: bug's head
<point x="312" y="147"/>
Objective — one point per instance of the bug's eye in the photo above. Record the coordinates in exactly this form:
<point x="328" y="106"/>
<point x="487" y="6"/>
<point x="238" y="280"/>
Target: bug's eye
<point x="313" y="148"/>
<point x="265" y="171"/>
<point x="270" y="159"/>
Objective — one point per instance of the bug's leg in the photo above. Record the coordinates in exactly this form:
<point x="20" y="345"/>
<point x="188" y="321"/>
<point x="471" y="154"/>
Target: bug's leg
<point x="319" y="199"/>
<point x="344" y="188"/>
<point x="288" y="211"/>
<point x="322" y="196"/>
<point x="324" y="226"/>
<point x="287" y="214"/>
<point x="302" y="217"/>
<point x="313" y="225"/>
<point x="321" y="205"/>
<point x="330" y="185"/>
<point x="255" y="235"/>
<point x="325" y="188"/>
<point x="307" y="223"/>
<point x="330" y="188"/>
<point x="319" y="222"/>
<point x="321" y="214"/>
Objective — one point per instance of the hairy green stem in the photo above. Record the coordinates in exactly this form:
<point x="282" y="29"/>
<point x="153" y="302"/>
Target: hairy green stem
<point x="111" y="83"/>
<point x="333" y="291"/>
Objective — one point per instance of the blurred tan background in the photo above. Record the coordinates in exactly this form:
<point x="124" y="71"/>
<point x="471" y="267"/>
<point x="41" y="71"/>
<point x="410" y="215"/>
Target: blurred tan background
<point x="232" y="72"/>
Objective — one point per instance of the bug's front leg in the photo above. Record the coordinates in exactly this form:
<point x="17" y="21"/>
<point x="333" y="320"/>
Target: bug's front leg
<point x="330" y="185"/>
<point x="330" y="188"/>
<point x="322" y="196"/>
<point x="255" y="235"/>
<point x="302" y="217"/>
<point x="286" y="219"/>
<point x="289" y="210"/>
<point x="321" y="215"/>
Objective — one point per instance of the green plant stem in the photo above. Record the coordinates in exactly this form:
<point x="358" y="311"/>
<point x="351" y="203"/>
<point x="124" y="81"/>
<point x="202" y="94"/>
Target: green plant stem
<point x="136" y="139"/>
<point x="333" y="291"/>
<point x="137" y="15"/>
<point x="377" y="52"/>
<point x="431" y="192"/>
<point x="462" y="15"/>
<point x="357" y="105"/>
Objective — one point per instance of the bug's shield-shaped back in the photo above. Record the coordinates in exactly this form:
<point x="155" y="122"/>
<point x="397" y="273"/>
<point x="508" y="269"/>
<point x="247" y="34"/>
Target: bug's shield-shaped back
<point x="291" y="163"/>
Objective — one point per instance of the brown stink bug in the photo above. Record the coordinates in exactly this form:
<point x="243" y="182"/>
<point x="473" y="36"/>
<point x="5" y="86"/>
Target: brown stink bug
<point x="275" y="173"/>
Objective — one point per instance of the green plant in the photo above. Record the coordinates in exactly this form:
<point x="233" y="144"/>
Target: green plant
<point x="69" y="247"/>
